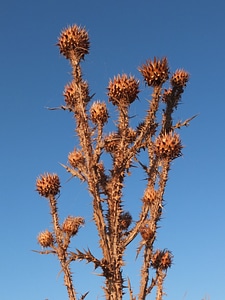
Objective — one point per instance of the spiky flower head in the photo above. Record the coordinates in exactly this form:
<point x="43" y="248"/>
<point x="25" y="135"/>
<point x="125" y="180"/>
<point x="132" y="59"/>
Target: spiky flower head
<point x="111" y="142"/>
<point x="73" y="92"/>
<point x="48" y="185"/>
<point x="146" y="232"/>
<point x="179" y="78"/>
<point x="99" y="113"/>
<point x="155" y="72"/>
<point x="162" y="259"/>
<point x="123" y="90"/>
<point x="74" y="42"/>
<point x="168" y="145"/>
<point x="72" y="224"/>
<point x="76" y="158"/>
<point x="45" y="239"/>
<point x="150" y="195"/>
<point x="125" y="220"/>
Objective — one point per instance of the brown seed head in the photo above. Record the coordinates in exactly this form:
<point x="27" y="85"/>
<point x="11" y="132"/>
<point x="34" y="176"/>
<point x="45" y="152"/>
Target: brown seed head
<point x="72" y="224"/>
<point x="125" y="220"/>
<point x="146" y="232"/>
<point x="45" y="239"/>
<point x="155" y="72"/>
<point x="99" y="113"/>
<point x="168" y="146"/>
<point x="111" y="142"/>
<point x="150" y="195"/>
<point x="123" y="90"/>
<point x="73" y="92"/>
<point x="48" y="185"/>
<point x="180" y="78"/>
<point x="74" y="41"/>
<point x="162" y="259"/>
<point x="75" y="158"/>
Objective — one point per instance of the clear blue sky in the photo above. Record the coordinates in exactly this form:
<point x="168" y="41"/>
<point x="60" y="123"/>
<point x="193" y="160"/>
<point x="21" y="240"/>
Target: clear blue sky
<point x="34" y="140"/>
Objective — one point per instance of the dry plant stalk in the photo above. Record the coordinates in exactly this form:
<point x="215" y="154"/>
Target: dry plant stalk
<point x="156" y="139"/>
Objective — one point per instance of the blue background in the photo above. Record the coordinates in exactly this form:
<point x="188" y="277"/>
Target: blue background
<point x="35" y="140"/>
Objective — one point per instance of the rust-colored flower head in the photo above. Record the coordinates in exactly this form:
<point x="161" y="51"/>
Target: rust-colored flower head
<point x="146" y="232"/>
<point x="111" y="142"/>
<point x="125" y="220"/>
<point x="155" y="72"/>
<point x="162" y="259"/>
<point x="150" y="195"/>
<point x="48" y="185"/>
<point x="45" y="239"/>
<point x="179" y="78"/>
<point x="73" y="92"/>
<point x="168" y="145"/>
<point x="72" y="224"/>
<point x="123" y="90"/>
<point x="74" y="42"/>
<point x="99" y="113"/>
<point x="76" y="158"/>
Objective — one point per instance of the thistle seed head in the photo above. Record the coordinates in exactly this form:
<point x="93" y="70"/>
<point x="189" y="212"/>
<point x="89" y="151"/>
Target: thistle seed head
<point x="179" y="78"/>
<point x="73" y="92"/>
<point x="150" y="195"/>
<point x="125" y="220"/>
<point x="99" y="113"/>
<point x="146" y="232"/>
<point x="162" y="259"/>
<point x="74" y="41"/>
<point x="45" y="239"/>
<point x="111" y="142"/>
<point x="48" y="185"/>
<point x="155" y="72"/>
<point x="72" y="224"/>
<point x="123" y="90"/>
<point x="168" y="145"/>
<point x="75" y="158"/>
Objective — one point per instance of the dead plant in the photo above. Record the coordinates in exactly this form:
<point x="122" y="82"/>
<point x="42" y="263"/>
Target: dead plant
<point x="154" y="138"/>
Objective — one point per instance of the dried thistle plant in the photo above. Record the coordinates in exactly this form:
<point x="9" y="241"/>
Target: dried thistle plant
<point x="153" y="139"/>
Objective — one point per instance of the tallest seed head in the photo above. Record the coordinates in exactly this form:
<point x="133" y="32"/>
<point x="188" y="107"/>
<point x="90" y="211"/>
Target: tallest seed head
<point x="74" y="41"/>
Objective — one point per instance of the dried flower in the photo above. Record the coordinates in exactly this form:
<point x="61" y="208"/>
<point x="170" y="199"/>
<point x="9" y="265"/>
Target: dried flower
<point x="111" y="142"/>
<point x="72" y="224"/>
<point x="74" y="41"/>
<point x="48" y="185"/>
<point x="180" y="78"/>
<point x="123" y="90"/>
<point x="73" y="92"/>
<point x="75" y="158"/>
<point x="155" y="72"/>
<point x="162" y="259"/>
<point x="99" y="113"/>
<point x="125" y="220"/>
<point x="45" y="239"/>
<point x="150" y="195"/>
<point x="146" y="232"/>
<point x="168" y="145"/>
